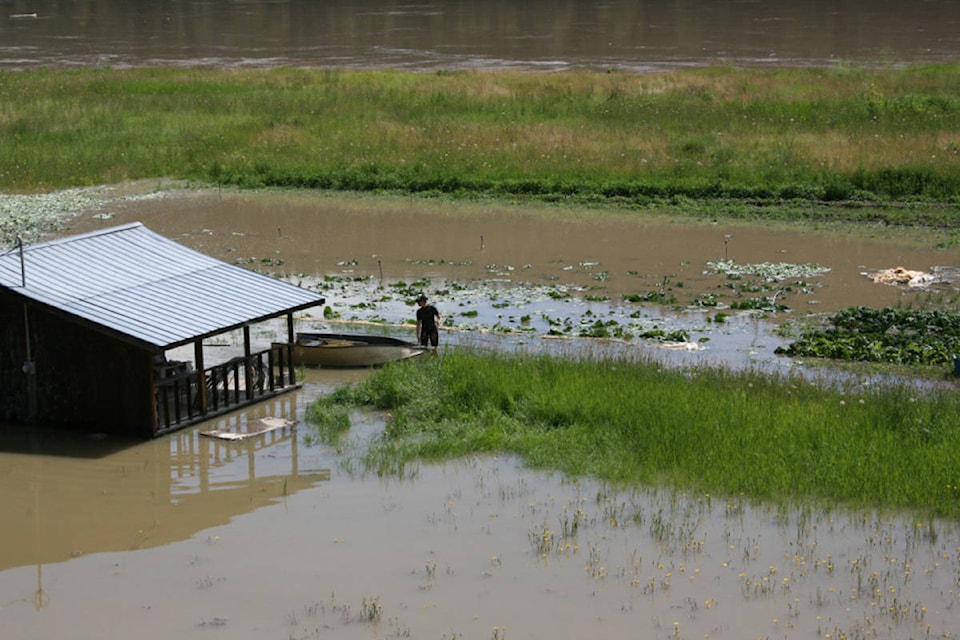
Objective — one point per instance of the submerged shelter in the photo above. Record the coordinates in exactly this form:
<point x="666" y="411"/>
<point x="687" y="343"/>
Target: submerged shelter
<point x="87" y="321"/>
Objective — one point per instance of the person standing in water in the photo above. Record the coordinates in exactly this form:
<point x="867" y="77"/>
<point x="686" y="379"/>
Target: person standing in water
<point x="428" y="322"/>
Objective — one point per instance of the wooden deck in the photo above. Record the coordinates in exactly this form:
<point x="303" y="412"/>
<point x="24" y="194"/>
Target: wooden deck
<point x="236" y="383"/>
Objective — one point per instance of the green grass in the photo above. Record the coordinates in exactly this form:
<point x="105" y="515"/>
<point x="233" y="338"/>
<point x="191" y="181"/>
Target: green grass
<point x="884" y="143"/>
<point x="329" y="423"/>
<point x="703" y="429"/>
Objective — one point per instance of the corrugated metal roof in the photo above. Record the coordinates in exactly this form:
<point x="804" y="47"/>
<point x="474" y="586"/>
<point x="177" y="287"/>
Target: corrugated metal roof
<point x="133" y="281"/>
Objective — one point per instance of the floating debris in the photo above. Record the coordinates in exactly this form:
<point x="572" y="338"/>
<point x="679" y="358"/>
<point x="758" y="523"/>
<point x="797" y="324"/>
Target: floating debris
<point x="252" y="428"/>
<point x="901" y="276"/>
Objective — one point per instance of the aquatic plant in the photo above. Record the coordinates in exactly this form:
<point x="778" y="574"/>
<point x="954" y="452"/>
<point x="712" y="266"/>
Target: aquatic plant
<point x="329" y="422"/>
<point x="888" y="335"/>
<point x="31" y="216"/>
<point x="770" y="272"/>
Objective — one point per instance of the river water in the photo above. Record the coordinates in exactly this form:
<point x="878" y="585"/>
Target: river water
<point x="637" y="35"/>
<point x="285" y="537"/>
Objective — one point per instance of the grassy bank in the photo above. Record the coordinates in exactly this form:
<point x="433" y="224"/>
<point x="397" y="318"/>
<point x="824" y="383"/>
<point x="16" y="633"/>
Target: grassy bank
<point x="708" y="141"/>
<point x="707" y="430"/>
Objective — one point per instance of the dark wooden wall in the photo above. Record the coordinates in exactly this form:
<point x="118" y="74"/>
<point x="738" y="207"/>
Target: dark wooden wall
<point x="85" y="379"/>
<point x="13" y="388"/>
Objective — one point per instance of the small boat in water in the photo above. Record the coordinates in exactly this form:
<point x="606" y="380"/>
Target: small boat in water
<point x="344" y="350"/>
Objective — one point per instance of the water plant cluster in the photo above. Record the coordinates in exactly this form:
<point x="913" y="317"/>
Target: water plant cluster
<point x="30" y="216"/>
<point x="768" y="271"/>
<point x="888" y="335"/>
<point x="881" y="141"/>
<point x="504" y="308"/>
<point x="509" y="305"/>
<point x="701" y="429"/>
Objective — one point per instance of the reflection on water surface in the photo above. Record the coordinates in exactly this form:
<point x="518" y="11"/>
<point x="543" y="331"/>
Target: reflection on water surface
<point x="75" y="495"/>
<point x="480" y="547"/>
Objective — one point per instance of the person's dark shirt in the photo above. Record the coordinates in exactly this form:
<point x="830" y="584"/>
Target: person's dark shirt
<point x="427" y="315"/>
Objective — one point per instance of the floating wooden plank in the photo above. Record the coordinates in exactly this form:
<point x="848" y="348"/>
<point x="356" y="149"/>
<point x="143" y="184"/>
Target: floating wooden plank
<point x="251" y="429"/>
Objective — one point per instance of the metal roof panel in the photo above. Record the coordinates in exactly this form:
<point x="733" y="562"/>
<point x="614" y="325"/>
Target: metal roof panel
<point x="134" y="281"/>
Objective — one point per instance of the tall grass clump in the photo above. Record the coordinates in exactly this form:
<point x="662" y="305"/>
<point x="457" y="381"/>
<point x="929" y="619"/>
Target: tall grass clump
<point x="701" y="429"/>
<point x="329" y="422"/>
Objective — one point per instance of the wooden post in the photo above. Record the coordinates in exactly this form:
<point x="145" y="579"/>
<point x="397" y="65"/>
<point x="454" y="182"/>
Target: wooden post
<point x="247" y="373"/>
<point x="30" y="369"/>
<point x="292" y="376"/>
<point x="201" y="376"/>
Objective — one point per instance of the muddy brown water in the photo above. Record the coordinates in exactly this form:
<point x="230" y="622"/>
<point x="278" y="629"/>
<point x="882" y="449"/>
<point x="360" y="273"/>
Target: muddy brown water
<point x="602" y="255"/>
<point x="542" y="35"/>
<point x="284" y="537"/>
<point x="527" y="272"/>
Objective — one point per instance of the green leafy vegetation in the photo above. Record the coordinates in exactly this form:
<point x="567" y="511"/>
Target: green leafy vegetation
<point x="703" y="429"/>
<point x="893" y="336"/>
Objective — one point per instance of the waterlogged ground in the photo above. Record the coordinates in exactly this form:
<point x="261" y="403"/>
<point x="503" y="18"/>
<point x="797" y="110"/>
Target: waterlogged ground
<point x="656" y="287"/>
<point x="284" y="536"/>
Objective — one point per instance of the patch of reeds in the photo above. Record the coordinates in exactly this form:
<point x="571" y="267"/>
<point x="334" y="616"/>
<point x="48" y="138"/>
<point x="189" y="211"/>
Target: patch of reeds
<point x="735" y="135"/>
<point x="329" y="423"/>
<point x="703" y="429"/>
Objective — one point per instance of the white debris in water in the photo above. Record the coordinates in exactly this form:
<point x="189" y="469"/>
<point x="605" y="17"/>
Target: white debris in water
<point x="899" y="275"/>
<point x="681" y="346"/>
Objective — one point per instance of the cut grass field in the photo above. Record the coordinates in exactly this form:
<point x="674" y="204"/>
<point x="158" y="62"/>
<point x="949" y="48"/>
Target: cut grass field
<point x="703" y="429"/>
<point x="747" y="142"/>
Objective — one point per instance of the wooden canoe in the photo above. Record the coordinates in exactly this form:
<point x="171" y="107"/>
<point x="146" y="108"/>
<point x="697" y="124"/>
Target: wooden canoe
<point x="338" y="350"/>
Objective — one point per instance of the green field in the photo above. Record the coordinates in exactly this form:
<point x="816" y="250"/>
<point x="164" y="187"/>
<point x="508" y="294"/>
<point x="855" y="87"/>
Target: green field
<point x="838" y="143"/>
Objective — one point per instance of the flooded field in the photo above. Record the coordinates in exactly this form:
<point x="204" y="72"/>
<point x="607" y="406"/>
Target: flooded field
<point x="282" y="536"/>
<point x="531" y="274"/>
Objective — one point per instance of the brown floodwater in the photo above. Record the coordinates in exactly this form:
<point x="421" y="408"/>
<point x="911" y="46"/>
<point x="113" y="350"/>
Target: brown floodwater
<point x="283" y="536"/>
<point x="527" y="272"/>
<point x="399" y="239"/>
<point x="542" y="35"/>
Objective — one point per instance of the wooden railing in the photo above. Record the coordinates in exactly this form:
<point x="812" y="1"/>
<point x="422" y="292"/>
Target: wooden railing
<point x="237" y="382"/>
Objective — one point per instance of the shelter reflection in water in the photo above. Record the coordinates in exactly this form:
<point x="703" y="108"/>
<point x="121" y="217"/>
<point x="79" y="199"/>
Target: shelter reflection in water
<point x="67" y="495"/>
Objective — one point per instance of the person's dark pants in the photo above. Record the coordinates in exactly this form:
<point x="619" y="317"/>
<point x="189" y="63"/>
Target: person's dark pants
<point x="430" y="338"/>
